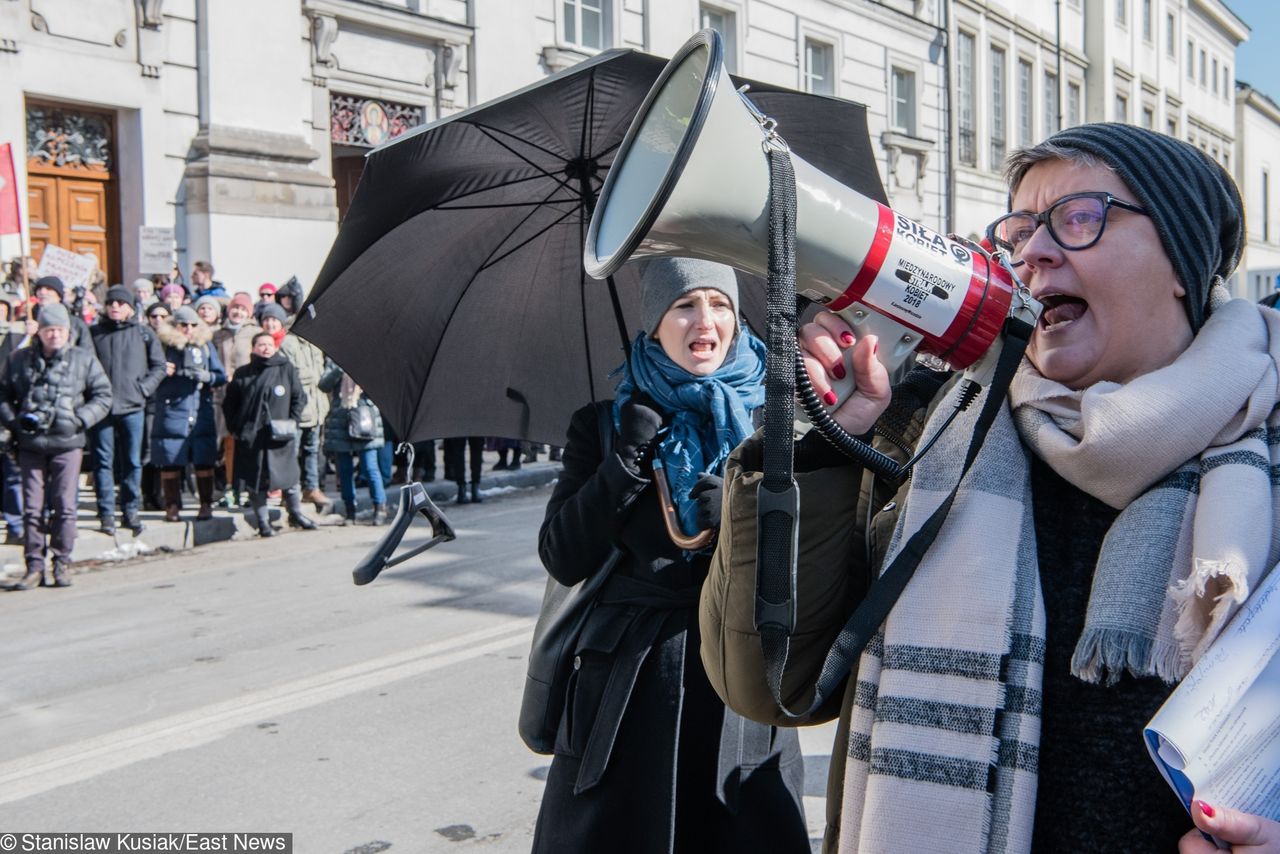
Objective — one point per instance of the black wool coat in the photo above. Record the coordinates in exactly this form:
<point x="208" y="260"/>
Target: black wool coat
<point x="647" y="757"/>
<point x="260" y="391"/>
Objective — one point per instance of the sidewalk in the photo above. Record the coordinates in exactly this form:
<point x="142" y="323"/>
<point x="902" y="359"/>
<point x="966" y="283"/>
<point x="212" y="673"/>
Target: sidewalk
<point x="93" y="546"/>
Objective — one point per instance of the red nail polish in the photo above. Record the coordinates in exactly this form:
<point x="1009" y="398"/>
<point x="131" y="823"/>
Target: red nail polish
<point x="830" y="398"/>
<point x="1209" y="812"/>
<point x="846" y="338"/>
<point x="875" y="348"/>
<point x="837" y="370"/>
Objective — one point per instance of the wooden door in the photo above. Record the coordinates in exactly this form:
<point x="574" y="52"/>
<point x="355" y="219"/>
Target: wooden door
<point x="346" y="176"/>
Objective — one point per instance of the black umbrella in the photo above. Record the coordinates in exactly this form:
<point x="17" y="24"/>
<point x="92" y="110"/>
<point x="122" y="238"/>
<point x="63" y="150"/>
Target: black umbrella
<point x="455" y="294"/>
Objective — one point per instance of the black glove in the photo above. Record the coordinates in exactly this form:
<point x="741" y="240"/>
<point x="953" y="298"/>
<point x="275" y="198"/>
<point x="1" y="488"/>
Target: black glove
<point x="708" y="492"/>
<point x="638" y="425"/>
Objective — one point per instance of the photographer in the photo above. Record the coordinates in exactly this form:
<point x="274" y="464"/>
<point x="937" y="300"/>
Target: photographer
<point x="50" y="394"/>
<point x="49" y="290"/>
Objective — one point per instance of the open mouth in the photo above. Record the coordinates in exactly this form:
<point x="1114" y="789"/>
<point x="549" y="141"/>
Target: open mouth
<point x="702" y="348"/>
<point x="1060" y="311"/>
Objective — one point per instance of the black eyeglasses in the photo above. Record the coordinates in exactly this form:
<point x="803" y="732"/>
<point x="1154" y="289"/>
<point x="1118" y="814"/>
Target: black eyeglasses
<point x="1074" y="222"/>
<point x="186" y="325"/>
<point x="158" y="315"/>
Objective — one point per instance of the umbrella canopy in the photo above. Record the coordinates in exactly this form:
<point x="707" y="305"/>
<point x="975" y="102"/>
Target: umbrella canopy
<point x="455" y="293"/>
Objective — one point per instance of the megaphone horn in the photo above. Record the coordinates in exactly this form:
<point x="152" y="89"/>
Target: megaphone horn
<point x="691" y="179"/>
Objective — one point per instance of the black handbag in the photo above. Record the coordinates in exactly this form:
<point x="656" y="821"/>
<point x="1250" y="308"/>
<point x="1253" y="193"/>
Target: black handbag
<point x="283" y="429"/>
<point x="555" y="635"/>
<point x="361" y="423"/>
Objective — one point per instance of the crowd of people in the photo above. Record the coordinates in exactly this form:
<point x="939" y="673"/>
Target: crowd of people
<point x="164" y="392"/>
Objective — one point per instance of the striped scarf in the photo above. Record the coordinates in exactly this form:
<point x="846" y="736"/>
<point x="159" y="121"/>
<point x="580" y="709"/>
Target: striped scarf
<point x="945" y="726"/>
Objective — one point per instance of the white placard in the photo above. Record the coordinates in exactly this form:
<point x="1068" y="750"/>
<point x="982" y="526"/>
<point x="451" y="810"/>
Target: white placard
<point x="74" y="269"/>
<point x="155" y="249"/>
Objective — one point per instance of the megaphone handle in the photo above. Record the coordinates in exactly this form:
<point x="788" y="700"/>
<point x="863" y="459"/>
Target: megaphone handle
<point x="897" y="343"/>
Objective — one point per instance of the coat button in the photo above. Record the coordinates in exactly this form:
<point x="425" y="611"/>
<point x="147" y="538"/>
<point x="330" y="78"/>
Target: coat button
<point x="577" y="662"/>
<point x="890" y="507"/>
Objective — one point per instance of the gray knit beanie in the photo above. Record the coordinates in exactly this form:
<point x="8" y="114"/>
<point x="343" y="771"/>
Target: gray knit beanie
<point x="666" y="279"/>
<point x="1192" y="201"/>
<point x="53" y="314"/>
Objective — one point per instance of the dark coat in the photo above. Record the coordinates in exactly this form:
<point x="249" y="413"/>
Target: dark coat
<point x="184" y="430"/>
<point x="133" y="358"/>
<point x="677" y="763"/>
<point x="69" y="391"/>
<point x="337" y="439"/>
<point x="260" y="391"/>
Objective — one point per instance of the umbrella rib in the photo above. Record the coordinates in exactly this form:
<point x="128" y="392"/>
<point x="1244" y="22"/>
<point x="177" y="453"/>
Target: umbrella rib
<point x="487" y="188"/>
<point x="490" y="129"/>
<point x="490" y="261"/>
<point x="554" y="177"/>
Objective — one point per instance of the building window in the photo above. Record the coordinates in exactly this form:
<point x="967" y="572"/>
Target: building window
<point x="585" y="23"/>
<point x="1171" y="127"/>
<point x="726" y="24"/>
<point x="1215" y="77"/>
<point x="903" y="93"/>
<point x="1146" y="20"/>
<point x="1226" y="159"/>
<point x="1051" y="125"/>
<point x="1202" y="80"/>
<point x="1073" y="104"/>
<point x="819" y="67"/>
<point x="1266" y="205"/>
<point x="1026" y="127"/>
<point x="964" y="89"/>
<point x="1191" y="60"/>
<point x="1226" y="81"/>
<point x="1122" y="12"/>
<point x="997" y="108"/>
<point x="1170" y="31"/>
<point x="1122" y="107"/>
<point x="1149" y="118"/>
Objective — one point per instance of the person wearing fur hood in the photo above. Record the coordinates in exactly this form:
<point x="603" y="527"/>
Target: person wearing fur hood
<point x="185" y="432"/>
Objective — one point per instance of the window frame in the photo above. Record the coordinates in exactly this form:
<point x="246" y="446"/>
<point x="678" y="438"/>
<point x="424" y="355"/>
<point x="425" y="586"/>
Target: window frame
<point x="910" y="77"/>
<point x="608" y="25"/>
<point x="998" y="127"/>
<point x="732" y="44"/>
<point x="966" y="118"/>
<point x="1026" y="110"/>
<point x="1052" y="101"/>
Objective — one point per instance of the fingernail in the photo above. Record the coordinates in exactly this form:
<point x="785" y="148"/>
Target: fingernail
<point x="875" y="346"/>
<point x="837" y="370"/>
<point x="846" y="338"/>
<point x="830" y="398"/>
<point x="1209" y="812"/>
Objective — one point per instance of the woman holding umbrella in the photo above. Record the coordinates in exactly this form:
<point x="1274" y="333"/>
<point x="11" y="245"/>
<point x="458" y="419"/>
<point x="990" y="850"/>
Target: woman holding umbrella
<point x="647" y="757"/>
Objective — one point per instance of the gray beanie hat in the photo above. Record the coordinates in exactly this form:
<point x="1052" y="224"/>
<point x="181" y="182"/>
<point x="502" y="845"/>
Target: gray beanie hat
<point x="53" y="314"/>
<point x="272" y="309"/>
<point x="206" y="300"/>
<point x="1192" y="201"/>
<point x="666" y="279"/>
<point x="186" y="314"/>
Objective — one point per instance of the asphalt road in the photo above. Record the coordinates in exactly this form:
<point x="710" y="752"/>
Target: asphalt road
<point x="249" y="686"/>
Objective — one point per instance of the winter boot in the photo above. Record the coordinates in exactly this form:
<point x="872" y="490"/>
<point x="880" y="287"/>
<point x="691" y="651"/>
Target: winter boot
<point x="204" y="488"/>
<point x="133" y="522"/>
<point x="33" y="578"/>
<point x="262" y="517"/>
<point x="293" y="503"/>
<point x="476" y="497"/>
<point x="171" y="484"/>
<point x="379" y="514"/>
<point x="501" y="464"/>
<point x="349" y="513"/>
<point x="462" y="492"/>
<point x="61" y="575"/>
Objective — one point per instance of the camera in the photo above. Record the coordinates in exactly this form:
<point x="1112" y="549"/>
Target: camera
<point x="35" y="421"/>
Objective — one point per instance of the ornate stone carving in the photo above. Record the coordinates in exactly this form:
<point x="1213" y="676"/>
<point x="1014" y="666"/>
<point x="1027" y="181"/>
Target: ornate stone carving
<point x="324" y="29"/>
<point x="68" y="139"/>
<point x="369" y="121"/>
<point x="898" y="144"/>
<point x="449" y="63"/>
<point x="121" y="39"/>
<point x="38" y="23"/>
<point x="152" y="13"/>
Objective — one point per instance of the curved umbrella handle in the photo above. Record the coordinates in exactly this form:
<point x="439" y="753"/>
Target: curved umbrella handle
<point x="672" y="520"/>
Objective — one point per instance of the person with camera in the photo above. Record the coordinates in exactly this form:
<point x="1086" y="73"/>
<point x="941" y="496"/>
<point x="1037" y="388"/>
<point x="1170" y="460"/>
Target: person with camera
<point x="184" y="432"/>
<point x="1120" y="510"/>
<point x="647" y="758"/>
<point x="353" y="432"/>
<point x="133" y="358"/>
<point x="262" y="405"/>
<point x="49" y="290"/>
<point x="50" y="394"/>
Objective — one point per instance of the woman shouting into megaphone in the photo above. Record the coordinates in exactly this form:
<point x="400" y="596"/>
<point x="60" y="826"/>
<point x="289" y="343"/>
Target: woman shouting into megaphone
<point x="1118" y="513"/>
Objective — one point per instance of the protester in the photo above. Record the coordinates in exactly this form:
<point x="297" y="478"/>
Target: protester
<point x="266" y="296"/>
<point x="173" y="295"/>
<point x="144" y="293"/>
<point x="131" y="354"/>
<point x="648" y="759"/>
<point x="49" y="291"/>
<point x="234" y="342"/>
<point x="1065" y="593"/>
<point x="158" y="315"/>
<point x="272" y="319"/>
<point x="266" y="390"/>
<point x="184" y="432"/>
<point x="310" y="362"/>
<point x="209" y="310"/>
<point x="353" y="432"/>
<point x="455" y="468"/>
<point x="15" y="286"/>
<point x="203" y="284"/>
<point x="50" y="393"/>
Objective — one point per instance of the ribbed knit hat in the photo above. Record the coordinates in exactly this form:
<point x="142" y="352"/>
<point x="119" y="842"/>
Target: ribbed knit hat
<point x="120" y="293"/>
<point x="1191" y="199"/>
<point x="666" y="279"/>
<point x="53" y="314"/>
<point x="53" y="283"/>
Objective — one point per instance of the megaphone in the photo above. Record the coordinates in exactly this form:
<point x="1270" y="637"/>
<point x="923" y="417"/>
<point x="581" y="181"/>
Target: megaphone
<point x="691" y="179"/>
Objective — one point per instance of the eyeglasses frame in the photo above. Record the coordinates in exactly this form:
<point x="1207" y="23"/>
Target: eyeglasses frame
<point x="1042" y="218"/>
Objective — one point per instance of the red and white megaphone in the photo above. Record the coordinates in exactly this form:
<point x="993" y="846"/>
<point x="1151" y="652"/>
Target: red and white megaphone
<point x="692" y="179"/>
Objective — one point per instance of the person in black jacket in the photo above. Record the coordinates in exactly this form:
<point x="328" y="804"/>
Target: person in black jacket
<point x="647" y="757"/>
<point x="133" y="358"/>
<point x="267" y="389"/>
<point x="49" y="290"/>
<point x="50" y="393"/>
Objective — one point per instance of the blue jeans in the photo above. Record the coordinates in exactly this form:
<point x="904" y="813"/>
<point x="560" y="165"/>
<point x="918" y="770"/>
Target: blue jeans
<point x="372" y="473"/>
<point x="116" y="443"/>
<point x="12" y="495"/>
<point x="309" y="457"/>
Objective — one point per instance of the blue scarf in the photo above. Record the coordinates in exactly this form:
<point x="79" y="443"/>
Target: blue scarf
<point x="709" y="415"/>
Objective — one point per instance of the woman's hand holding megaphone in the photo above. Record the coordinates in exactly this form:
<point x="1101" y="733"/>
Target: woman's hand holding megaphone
<point x="845" y="372"/>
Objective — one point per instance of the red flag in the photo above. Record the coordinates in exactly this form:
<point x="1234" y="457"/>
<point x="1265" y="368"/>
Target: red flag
<point x="10" y="221"/>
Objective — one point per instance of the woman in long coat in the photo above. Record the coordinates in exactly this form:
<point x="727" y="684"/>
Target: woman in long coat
<point x="184" y="431"/>
<point x="266" y="389"/>
<point x="647" y="758"/>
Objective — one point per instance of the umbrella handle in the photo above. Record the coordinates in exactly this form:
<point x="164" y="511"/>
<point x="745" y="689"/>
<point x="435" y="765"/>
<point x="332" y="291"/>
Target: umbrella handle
<point x="672" y="520"/>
